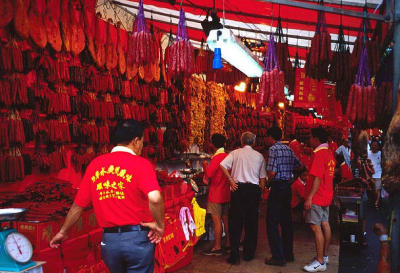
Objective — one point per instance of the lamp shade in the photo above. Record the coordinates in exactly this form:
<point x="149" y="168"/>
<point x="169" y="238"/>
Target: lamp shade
<point x="217" y="61"/>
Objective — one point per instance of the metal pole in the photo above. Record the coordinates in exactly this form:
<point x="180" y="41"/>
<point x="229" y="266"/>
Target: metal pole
<point x="396" y="52"/>
<point x="326" y="9"/>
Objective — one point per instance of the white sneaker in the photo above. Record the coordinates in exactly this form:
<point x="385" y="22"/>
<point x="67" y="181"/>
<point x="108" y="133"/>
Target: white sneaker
<point x="326" y="259"/>
<point x="315" y="266"/>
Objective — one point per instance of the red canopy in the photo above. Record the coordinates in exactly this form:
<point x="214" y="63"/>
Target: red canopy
<point x="253" y="18"/>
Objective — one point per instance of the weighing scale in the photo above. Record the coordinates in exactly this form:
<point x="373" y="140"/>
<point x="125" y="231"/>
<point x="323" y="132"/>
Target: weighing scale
<point x="15" y="249"/>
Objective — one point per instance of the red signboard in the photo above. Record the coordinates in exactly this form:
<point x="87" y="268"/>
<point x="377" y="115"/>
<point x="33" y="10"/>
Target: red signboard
<point x="308" y="92"/>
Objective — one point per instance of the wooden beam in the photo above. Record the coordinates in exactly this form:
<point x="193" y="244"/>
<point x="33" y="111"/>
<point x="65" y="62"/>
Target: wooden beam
<point x="341" y="11"/>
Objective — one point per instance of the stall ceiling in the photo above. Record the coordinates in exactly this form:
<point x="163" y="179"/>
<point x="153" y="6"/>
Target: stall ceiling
<point x="253" y="19"/>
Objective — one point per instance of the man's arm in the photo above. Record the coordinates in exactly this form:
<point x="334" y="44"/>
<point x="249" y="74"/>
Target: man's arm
<point x="234" y="186"/>
<point x="156" y="206"/>
<point x="262" y="183"/>
<point x="314" y="189"/>
<point x="73" y="215"/>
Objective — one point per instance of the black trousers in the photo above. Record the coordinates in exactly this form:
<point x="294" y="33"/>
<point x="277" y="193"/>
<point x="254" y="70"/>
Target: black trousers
<point x="279" y="213"/>
<point x="243" y="212"/>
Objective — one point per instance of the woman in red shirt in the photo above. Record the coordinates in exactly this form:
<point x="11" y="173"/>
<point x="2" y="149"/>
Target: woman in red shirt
<point x="219" y="193"/>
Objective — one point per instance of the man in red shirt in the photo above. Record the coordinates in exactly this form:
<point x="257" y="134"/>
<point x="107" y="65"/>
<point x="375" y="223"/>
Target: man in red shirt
<point x="124" y="192"/>
<point x="319" y="194"/>
<point x="219" y="193"/>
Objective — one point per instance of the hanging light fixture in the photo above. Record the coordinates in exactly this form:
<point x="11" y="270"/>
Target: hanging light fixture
<point x="234" y="52"/>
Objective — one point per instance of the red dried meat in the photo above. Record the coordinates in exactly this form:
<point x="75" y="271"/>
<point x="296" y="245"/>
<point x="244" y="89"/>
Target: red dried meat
<point x="121" y="49"/>
<point x="21" y="19"/>
<point x="6" y="12"/>
<point x="37" y="29"/>
<point x="111" y="46"/>
<point x="100" y="41"/>
<point x="90" y="28"/>
<point x="66" y="25"/>
<point x="77" y="34"/>
<point x="52" y="24"/>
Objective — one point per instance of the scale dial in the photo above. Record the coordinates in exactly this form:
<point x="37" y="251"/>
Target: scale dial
<point x="18" y="247"/>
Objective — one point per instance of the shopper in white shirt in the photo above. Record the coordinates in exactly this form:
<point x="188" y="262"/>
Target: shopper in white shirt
<point x="374" y="154"/>
<point x="247" y="178"/>
<point x="344" y="149"/>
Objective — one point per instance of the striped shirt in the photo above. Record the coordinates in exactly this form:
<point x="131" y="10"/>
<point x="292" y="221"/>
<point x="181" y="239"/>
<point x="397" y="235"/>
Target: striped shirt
<point x="282" y="161"/>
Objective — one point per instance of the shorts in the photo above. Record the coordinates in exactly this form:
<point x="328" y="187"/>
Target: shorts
<point x="378" y="183"/>
<point x="219" y="209"/>
<point x="316" y="215"/>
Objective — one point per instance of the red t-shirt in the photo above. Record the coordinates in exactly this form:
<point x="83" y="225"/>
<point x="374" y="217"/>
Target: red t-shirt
<point x="345" y="172"/>
<point x="298" y="188"/>
<point x="219" y="189"/>
<point x="323" y="166"/>
<point x="295" y="145"/>
<point x="117" y="185"/>
<point x="333" y="146"/>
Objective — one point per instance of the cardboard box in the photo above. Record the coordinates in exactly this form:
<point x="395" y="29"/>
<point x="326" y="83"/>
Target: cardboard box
<point x="39" y="234"/>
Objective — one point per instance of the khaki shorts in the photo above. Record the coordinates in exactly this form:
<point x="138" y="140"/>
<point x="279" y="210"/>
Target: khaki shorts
<point x="219" y="209"/>
<point x="316" y="215"/>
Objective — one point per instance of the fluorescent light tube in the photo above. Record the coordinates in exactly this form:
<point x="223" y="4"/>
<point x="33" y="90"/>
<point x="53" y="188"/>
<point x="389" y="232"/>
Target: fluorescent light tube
<point x="234" y="52"/>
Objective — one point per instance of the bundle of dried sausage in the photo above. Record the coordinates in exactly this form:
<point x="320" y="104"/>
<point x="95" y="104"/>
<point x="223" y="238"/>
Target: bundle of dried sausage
<point x="320" y="52"/>
<point x="21" y="20"/>
<point x="14" y="165"/>
<point x="339" y="70"/>
<point x="180" y="58"/>
<point x="362" y="97"/>
<point x="52" y="24"/>
<point x="11" y="57"/>
<point x="142" y="40"/>
<point x="272" y="81"/>
<point x="37" y="29"/>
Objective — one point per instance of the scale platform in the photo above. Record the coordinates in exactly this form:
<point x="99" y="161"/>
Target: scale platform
<point x="37" y="268"/>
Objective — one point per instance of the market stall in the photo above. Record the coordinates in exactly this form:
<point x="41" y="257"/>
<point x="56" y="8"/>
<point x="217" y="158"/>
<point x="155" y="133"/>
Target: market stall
<point x="70" y="70"/>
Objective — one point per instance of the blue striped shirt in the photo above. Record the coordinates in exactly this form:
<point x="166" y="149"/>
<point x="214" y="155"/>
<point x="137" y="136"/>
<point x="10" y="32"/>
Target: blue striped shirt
<point x="282" y="161"/>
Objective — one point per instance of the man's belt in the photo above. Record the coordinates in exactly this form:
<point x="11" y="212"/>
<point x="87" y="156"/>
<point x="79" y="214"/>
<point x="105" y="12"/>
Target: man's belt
<point x="126" y="228"/>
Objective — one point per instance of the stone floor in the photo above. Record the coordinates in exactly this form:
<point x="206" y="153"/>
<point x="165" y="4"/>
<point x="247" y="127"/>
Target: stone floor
<point x="304" y="250"/>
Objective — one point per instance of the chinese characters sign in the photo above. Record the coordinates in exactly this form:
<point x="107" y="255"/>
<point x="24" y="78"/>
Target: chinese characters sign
<point x="111" y="182"/>
<point x="308" y="92"/>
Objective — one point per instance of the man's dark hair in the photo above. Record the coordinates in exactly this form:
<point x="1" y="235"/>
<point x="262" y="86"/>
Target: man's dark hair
<point x="126" y="131"/>
<point x="218" y="140"/>
<point x="275" y="132"/>
<point x="320" y="133"/>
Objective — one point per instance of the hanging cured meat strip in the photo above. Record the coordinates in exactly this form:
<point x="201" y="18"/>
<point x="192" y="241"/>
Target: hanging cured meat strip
<point x="21" y="20"/>
<point x="111" y="46"/>
<point x="37" y="29"/>
<point x="122" y="48"/>
<point x="89" y="7"/>
<point x="52" y="24"/>
<point x="131" y="67"/>
<point x="66" y="31"/>
<point x="77" y="33"/>
<point x="100" y="40"/>
<point x="6" y="12"/>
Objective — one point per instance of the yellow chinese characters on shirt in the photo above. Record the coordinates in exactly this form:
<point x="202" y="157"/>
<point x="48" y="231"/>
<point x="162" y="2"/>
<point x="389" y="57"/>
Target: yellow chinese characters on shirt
<point x="331" y="167"/>
<point x="111" y="188"/>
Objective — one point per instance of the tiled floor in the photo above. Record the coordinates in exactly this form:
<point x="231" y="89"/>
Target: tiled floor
<point x="304" y="250"/>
